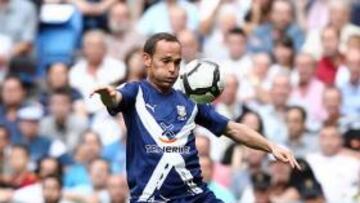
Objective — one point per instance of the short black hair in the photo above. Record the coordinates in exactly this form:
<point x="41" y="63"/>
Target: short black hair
<point x="55" y="177"/>
<point x="62" y="91"/>
<point x="150" y="44"/>
<point x="236" y="31"/>
<point x="285" y="41"/>
<point x="300" y="109"/>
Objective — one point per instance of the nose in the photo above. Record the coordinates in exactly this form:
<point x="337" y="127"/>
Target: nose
<point x="172" y="67"/>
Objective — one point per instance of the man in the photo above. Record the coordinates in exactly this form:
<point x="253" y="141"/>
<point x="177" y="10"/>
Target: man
<point x="299" y="140"/>
<point x="160" y="122"/>
<point x="96" y="68"/>
<point x="117" y="189"/>
<point x="338" y="174"/>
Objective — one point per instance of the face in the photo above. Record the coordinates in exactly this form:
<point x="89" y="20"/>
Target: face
<point x="332" y="101"/>
<point x="189" y="45"/>
<point x="353" y="42"/>
<point x="330" y="41"/>
<point x="60" y="106"/>
<point x="295" y="123"/>
<point x="51" y="190"/>
<point x="99" y="173"/>
<point x="305" y="66"/>
<point x="12" y="92"/>
<point x="262" y="64"/>
<point x="119" y="18"/>
<point x="58" y="76"/>
<point x="236" y="45"/>
<point x="202" y="145"/>
<point x="254" y="157"/>
<point x="262" y="196"/>
<point x="178" y="19"/>
<point x="206" y="168"/>
<point x="18" y="160"/>
<point x="163" y="67"/>
<point x="280" y="173"/>
<point x="29" y="128"/>
<point x="136" y="65"/>
<point x="280" y="91"/>
<point x="251" y="120"/>
<point x="227" y="21"/>
<point x="4" y="139"/>
<point x="228" y="96"/>
<point x="339" y="16"/>
<point x="48" y="167"/>
<point x="283" y="55"/>
<point x="330" y="141"/>
<point x="118" y="189"/>
<point x="92" y="146"/>
<point x="353" y="64"/>
<point x="281" y="14"/>
<point x="94" y="48"/>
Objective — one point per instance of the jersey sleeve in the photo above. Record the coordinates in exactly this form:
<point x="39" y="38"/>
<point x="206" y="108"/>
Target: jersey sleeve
<point x="128" y="93"/>
<point x="210" y="119"/>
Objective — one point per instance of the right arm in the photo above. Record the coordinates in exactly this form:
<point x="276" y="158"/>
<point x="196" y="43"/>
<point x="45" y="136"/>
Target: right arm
<point x="110" y="97"/>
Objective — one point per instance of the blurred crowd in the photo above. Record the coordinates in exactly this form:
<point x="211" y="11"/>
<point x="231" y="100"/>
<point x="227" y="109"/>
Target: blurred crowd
<point x="292" y="73"/>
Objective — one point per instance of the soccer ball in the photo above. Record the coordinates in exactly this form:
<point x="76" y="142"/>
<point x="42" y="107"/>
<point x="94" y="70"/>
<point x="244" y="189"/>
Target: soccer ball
<point x="202" y="80"/>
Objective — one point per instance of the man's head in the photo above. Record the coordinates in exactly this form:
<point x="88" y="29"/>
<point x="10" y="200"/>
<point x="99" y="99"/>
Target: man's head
<point x="282" y="14"/>
<point x="12" y="92"/>
<point x="99" y="171"/>
<point x="94" y="47"/>
<point x="340" y="13"/>
<point x="279" y="172"/>
<point x="60" y="104"/>
<point x="19" y="159"/>
<point x="280" y="90"/>
<point x="162" y="57"/>
<point x="189" y="45"/>
<point x="236" y="43"/>
<point x="330" y="140"/>
<point x="332" y="100"/>
<point x="284" y="51"/>
<point x="206" y="165"/>
<point x="226" y="19"/>
<point x="57" y="75"/>
<point x="353" y="42"/>
<point x="254" y="157"/>
<point x="49" y="166"/>
<point x="262" y="63"/>
<point x="252" y="120"/>
<point x="118" y="189"/>
<point x="261" y="184"/>
<point x="305" y="65"/>
<point x="228" y="96"/>
<point x="295" y="121"/>
<point x="353" y="64"/>
<point x="91" y="145"/>
<point x="51" y="189"/>
<point x="202" y="145"/>
<point x="178" y="18"/>
<point x="29" y="118"/>
<point x="119" y="18"/>
<point x="4" y="137"/>
<point x="330" y="38"/>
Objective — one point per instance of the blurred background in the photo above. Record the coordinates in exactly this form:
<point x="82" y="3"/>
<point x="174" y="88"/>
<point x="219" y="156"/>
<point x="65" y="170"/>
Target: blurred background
<point x="292" y="73"/>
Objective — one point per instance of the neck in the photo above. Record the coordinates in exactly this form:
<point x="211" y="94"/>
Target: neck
<point x="157" y="87"/>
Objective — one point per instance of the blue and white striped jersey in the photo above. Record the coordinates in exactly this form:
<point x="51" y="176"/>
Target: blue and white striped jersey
<point x="161" y="161"/>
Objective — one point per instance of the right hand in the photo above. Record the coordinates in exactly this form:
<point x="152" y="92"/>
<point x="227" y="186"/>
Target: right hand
<point x="109" y="95"/>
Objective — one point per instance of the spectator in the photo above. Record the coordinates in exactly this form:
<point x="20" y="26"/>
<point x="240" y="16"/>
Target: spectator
<point x="123" y="37"/>
<point x="98" y="171"/>
<point x="299" y="140"/>
<point x="307" y="89"/>
<point x="5" y="150"/>
<point x="94" y="12"/>
<point x="258" y="14"/>
<point x="159" y="13"/>
<point x="256" y="84"/>
<point x="178" y="19"/>
<point x="238" y="62"/>
<point x="207" y="172"/>
<point x="283" y="56"/>
<point x="281" y="24"/>
<point x="189" y="46"/>
<point x="13" y="97"/>
<point x="52" y="190"/>
<point x="135" y="69"/>
<point x="332" y="101"/>
<point x="203" y="145"/>
<point x="19" y="23"/>
<point x="331" y="58"/>
<point x="339" y="183"/>
<point x="62" y="123"/>
<point x="115" y="154"/>
<point x="117" y="189"/>
<point x="274" y="113"/>
<point x="351" y="89"/>
<point x="58" y="78"/>
<point x="261" y="183"/>
<point x="95" y="69"/>
<point x="19" y="160"/>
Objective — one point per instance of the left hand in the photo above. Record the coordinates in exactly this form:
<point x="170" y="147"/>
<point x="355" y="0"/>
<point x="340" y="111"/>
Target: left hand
<point x="284" y="156"/>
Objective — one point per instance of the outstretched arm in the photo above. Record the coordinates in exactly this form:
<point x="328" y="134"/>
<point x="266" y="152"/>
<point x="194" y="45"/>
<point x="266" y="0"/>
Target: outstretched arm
<point x="242" y="134"/>
<point x="110" y="97"/>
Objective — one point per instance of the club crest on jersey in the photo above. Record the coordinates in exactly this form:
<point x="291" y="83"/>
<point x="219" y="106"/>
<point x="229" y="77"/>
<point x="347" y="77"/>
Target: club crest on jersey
<point x="181" y="112"/>
<point x="168" y="136"/>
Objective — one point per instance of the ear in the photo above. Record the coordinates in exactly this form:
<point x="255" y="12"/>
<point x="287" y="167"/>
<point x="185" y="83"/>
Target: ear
<point x="147" y="59"/>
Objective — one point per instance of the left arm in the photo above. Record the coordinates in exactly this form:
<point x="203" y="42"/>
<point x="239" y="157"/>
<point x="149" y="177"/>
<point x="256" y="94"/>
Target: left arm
<point x="240" y="133"/>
